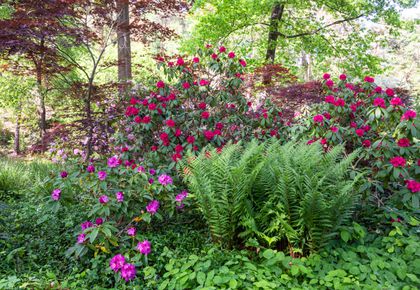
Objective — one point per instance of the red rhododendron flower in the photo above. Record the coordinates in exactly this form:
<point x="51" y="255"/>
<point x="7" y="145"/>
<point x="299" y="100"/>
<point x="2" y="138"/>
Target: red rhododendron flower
<point x="360" y="132"/>
<point x="378" y="89"/>
<point x="311" y="141"/>
<point x="369" y="79"/>
<point x="231" y="54"/>
<point x="319" y="118"/>
<point x="178" y="133"/>
<point x="190" y="139"/>
<point x="195" y="148"/>
<point x="366" y="143"/>
<point x="176" y="157"/>
<point x="404" y="142"/>
<point x="133" y="101"/>
<point x="413" y="185"/>
<point x="170" y="123"/>
<point x="326" y="115"/>
<point x="204" y="82"/>
<point x="153" y="148"/>
<point x="152" y="106"/>
<point x="180" y="61"/>
<point x="398" y="161"/>
<point x="222" y="49"/>
<point x="396" y="102"/>
<point x="408" y="115"/>
<point x="196" y="60"/>
<point x="350" y="86"/>
<point x="323" y="141"/>
<point x="242" y="62"/>
<point x="217" y="132"/>
<point x="205" y="115"/>
<point x="339" y="103"/>
<point x="343" y="77"/>
<point x="131" y="111"/>
<point x="389" y="92"/>
<point x="219" y="126"/>
<point x="178" y="148"/>
<point x="202" y="106"/>
<point x="146" y="119"/>
<point x="329" y="83"/>
<point x="334" y="129"/>
<point x="353" y="107"/>
<point x="366" y="128"/>
<point x="379" y="102"/>
<point x="353" y="124"/>
<point x="214" y="56"/>
<point x="163" y="136"/>
<point x="171" y="96"/>
<point x="330" y="99"/>
<point x="326" y="76"/>
<point x="186" y="85"/>
<point x="170" y="63"/>
<point x="208" y="135"/>
<point x="160" y="84"/>
<point x="137" y="119"/>
<point x="273" y="132"/>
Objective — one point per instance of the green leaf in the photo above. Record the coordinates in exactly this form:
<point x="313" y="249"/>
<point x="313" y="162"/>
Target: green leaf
<point x="201" y="278"/>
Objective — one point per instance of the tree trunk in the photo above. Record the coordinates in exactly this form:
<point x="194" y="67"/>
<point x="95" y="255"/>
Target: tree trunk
<point x="124" y="45"/>
<point x="306" y="63"/>
<point x="273" y="34"/>
<point x="16" y="148"/>
<point x="41" y="108"/>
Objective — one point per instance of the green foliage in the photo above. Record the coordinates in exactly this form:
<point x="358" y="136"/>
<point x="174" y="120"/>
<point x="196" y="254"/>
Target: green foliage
<point x="293" y="193"/>
<point x="221" y="182"/>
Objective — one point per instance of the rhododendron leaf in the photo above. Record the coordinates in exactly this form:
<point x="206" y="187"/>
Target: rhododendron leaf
<point x="93" y="235"/>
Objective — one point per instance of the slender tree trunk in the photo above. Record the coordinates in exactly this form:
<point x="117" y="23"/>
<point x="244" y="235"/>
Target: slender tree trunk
<point x="16" y="148"/>
<point x="273" y="34"/>
<point x="124" y="45"/>
<point x="306" y="63"/>
<point x="41" y="108"/>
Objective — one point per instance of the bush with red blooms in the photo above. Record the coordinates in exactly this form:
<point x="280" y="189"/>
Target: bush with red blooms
<point x="365" y="115"/>
<point x="200" y="103"/>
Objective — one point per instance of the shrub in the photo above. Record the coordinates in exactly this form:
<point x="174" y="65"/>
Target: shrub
<point x="293" y="194"/>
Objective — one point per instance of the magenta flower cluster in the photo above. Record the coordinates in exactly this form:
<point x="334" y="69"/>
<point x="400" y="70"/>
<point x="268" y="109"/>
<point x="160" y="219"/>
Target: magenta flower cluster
<point x="128" y="271"/>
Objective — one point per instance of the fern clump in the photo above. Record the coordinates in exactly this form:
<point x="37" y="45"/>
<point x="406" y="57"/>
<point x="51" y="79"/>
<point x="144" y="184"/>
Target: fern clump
<point x="294" y="196"/>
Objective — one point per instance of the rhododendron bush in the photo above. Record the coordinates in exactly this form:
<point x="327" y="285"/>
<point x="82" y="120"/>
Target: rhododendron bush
<point x="200" y="103"/>
<point x="364" y="115"/>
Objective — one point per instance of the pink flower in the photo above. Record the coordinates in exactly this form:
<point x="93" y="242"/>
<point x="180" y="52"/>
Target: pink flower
<point x="180" y="61"/>
<point x="334" y="129"/>
<point x="117" y="262"/>
<point x="131" y="231"/>
<point x="413" y="185"/>
<point x="103" y="199"/>
<point x="179" y="148"/>
<point x="119" y="196"/>
<point x="397" y="161"/>
<point x="353" y="124"/>
<point x="389" y="92"/>
<point x="404" y="142"/>
<point x="63" y="174"/>
<point x="165" y="179"/>
<point x="408" y="115"/>
<point x="85" y="225"/>
<point x="152" y="207"/>
<point x="90" y="168"/>
<point x="242" y="62"/>
<point x="101" y="175"/>
<point x="56" y="194"/>
<point x="146" y="119"/>
<point x="343" y="77"/>
<point x="152" y="106"/>
<point x="222" y="49"/>
<point x="180" y="197"/>
<point x="366" y="143"/>
<point x="160" y="84"/>
<point x="81" y="238"/>
<point x="204" y="82"/>
<point x="128" y="272"/>
<point x="176" y="157"/>
<point x="318" y="118"/>
<point x="190" y="139"/>
<point x="378" y="89"/>
<point x="329" y="83"/>
<point x="330" y="99"/>
<point x="202" y="106"/>
<point x="214" y="56"/>
<point x="219" y="126"/>
<point x="208" y="135"/>
<point x="360" y="132"/>
<point x="196" y="60"/>
<point x="170" y="123"/>
<point x="340" y="103"/>
<point x="396" y="102"/>
<point x="144" y="247"/>
<point x="113" y="162"/>
<point x="205" y="115"/>
<point x="99" y="221"/>
<point x="369" y="79"/>
<point x="326" y="76"/>
<point x="379" y="102"/>
<point x="186" y="85"/>
<point x="231" y="54"/>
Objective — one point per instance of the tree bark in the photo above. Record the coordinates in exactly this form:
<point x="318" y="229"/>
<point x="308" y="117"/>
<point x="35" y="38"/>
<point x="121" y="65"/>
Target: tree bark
<point x="41" y="108"/>
<point x="16" y="148"/>
<point x="276" y="15"/>
<point x="124" y="45"/>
